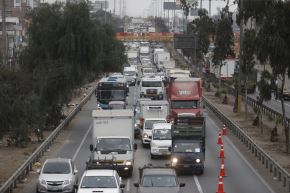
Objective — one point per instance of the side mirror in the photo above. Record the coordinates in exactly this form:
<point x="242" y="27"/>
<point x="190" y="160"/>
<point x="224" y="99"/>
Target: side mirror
<point x="122" y="185"/>
<point x="91" y="147"/>
<point x="135" y="146"/>
<point x="169" y="148"/>
<point x="181" y="184"/>
<point x="38" y="171"/>
<point x="136" y="185"/>
<point x="76" y="171"/>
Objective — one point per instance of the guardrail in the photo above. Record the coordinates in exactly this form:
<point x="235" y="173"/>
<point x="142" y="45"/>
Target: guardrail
<point x="271" y="165"/>
<point x="26" y="167"/>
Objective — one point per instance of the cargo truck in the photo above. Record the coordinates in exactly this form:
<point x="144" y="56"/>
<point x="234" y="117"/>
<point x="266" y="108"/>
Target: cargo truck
<point x="113" y="140"/>
<point x="188" y="144"/>
<point x="184" y="97"/>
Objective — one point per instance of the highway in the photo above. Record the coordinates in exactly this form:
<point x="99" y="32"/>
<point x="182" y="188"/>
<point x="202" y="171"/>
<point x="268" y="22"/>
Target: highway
<point x="241" y="176"/>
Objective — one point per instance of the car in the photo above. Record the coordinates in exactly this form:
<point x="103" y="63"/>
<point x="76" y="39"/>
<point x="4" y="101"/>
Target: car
<point x="101" y="180"/>
<point x="158" y="179"/>
<point x="57" y="175"/>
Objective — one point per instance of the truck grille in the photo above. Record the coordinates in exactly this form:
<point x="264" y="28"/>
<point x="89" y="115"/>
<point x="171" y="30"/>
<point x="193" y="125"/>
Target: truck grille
<point x="151" y="91"/>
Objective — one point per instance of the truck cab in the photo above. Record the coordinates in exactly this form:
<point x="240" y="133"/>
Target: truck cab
<point x="161" y="140"/>
<point x="188" y="144"/>
<point x="130" y="74"/>
<point x="184" y="95"/>
<point x="151" y="87"/>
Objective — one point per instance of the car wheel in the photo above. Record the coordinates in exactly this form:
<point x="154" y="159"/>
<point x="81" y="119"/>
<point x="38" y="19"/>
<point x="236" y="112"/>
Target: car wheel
<point x="37" y="190"/>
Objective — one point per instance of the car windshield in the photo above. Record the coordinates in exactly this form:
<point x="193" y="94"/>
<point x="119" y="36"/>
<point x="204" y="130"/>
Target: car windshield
<point x="117" y="144"/>
<point x="185" y="104"/>
<point x="56" y="168"/>
<point x="186" y="147"/>
<point x="159" y="181"/>
<point x="129" y="73"/>
<point x="151" y="83"/>
<point x="149" y="123"/>
<point x="162" y="134"/>
<point x="98" y="182"/>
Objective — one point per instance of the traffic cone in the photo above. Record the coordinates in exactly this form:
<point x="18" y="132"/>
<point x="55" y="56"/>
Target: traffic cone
<point x="222" y="171"/>
<point x="222" y="153"/>
<point x="220" y="185"/>
<point x="224" y="130"/>
<point x="220" y="141"/>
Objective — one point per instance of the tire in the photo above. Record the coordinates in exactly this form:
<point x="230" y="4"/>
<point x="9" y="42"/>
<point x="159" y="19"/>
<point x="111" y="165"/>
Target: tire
<point x="153" y="156"/>
<point x="36" y="190"/>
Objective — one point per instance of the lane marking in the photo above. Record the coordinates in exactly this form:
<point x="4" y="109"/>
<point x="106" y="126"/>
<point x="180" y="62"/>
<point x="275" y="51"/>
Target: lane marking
<point x="198" y="184"/>
<point x="246" y="161"/>
<point x="82" y="142"/>
<point x="128" y="185"/>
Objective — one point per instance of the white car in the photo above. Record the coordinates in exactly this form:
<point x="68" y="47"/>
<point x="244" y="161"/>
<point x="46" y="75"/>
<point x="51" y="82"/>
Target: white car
<point x="101" y="180"/>
<point x="161" y="140"/>
<point x="57" y="175"/>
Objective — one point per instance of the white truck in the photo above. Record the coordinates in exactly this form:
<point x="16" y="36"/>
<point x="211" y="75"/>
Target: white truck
<point x="113" y="140"/>
<point x="227" y="70"/>
<point x="151" y="112"/>
<point x="160" y="57"/>
<point x="161" y="140"/>
<point x="132" y="54"/>
<point x="144" y="52"/>
<point x="152" y="87"/>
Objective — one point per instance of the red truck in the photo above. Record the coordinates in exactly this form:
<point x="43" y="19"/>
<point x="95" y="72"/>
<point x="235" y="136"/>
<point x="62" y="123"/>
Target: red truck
<point x="184" y="97"/>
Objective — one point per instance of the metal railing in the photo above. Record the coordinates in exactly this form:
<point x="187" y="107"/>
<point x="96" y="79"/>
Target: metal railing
<point x="26" y="167"/>
<point x="269" y="163"/>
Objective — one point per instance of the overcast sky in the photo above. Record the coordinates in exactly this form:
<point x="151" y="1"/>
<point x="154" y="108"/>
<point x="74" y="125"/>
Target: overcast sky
<point x="143" y="8"/>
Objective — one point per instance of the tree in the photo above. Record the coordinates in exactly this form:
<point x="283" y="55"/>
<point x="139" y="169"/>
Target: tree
<point x="224" y="40"/>
<point x="272" y="19"/>
<point x="248" y="63"/>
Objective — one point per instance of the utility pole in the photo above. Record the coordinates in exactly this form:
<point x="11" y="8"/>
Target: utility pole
<point x="209" y="8"/>
<point x="114" y="7"/>
<point x="4" y="37"/>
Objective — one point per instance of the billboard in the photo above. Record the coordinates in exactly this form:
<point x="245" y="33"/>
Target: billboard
<point x="184" y="41"/>
<point x="171" y="6"/>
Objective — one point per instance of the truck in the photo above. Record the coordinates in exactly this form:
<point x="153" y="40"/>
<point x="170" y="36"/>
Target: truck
<point x="149" y="112"/>
<point x="184" y="96"/>
<point x="286" y="89"/>
<point x="188" y="144"/>
<point x="132" y="54"/>
<point x="227" y="70"/>
<point x="152" y="87"/>
<point x="130" y="73"/>
<point x="144" y="52"/>
<point x="160" y="58"/>
<point x="113" y="140"/>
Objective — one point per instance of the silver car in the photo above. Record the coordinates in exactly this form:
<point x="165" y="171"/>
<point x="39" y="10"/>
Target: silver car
<point x="57" y="175"/>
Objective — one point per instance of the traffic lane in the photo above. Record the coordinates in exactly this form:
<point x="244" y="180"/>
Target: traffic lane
<point x="274" y="104"/>
<point x="67" y="148"/>
<point x="142" y="157"/>
<point x="241" y="176"/>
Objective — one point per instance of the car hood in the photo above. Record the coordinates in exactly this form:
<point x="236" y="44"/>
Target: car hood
<point x="158" y="143"/>
<point x="103" y="190"/>
<point x="158" y="189"/>
<point x="56" y="177"/>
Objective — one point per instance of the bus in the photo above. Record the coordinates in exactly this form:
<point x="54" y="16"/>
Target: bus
<point x="112" y="88"/>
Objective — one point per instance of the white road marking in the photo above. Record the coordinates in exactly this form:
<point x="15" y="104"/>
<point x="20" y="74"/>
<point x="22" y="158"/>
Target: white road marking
<point x="128" y="185"/>
<point x="246" y="161"/>
<point x="198" y="184"/>
<point x="82" y="142"/>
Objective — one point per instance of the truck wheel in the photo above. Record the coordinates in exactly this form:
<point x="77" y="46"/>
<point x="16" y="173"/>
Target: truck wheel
<point x="129" y="174"/>
<point x="201" y="172"/>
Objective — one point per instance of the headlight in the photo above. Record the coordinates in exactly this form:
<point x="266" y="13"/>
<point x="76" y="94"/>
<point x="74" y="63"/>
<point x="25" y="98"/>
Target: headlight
<point x="197" y="160"/>
<point x="128" y="163"/>
<point x="174" y="160"/>
<point x="145" y="136"/>
<point x="42" y="181"/>
<point x="67" y="182"/>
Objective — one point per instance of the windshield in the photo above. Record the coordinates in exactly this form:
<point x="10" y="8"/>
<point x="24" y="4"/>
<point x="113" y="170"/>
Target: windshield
<point x="129" y="73"/>
<point x="151" y="83"/>
<point x="99" y="182"/>
<point x="149" y="123"/>
<point x="117" y="95"/>
<point x="159" y="181"/>
<point x="186" y="147"/>
<point x="185" y="104"/>
<point x="162" y="134"/>
<point x="56" y="168"/>
<point x="113" y="144"/>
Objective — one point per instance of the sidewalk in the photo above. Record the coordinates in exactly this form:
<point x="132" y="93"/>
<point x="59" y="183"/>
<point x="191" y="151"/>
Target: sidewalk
<point x="275" y="149"/>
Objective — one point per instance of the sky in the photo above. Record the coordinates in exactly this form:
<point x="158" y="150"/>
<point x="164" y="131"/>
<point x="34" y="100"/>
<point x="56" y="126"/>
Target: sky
<point x="144" y="8"/>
